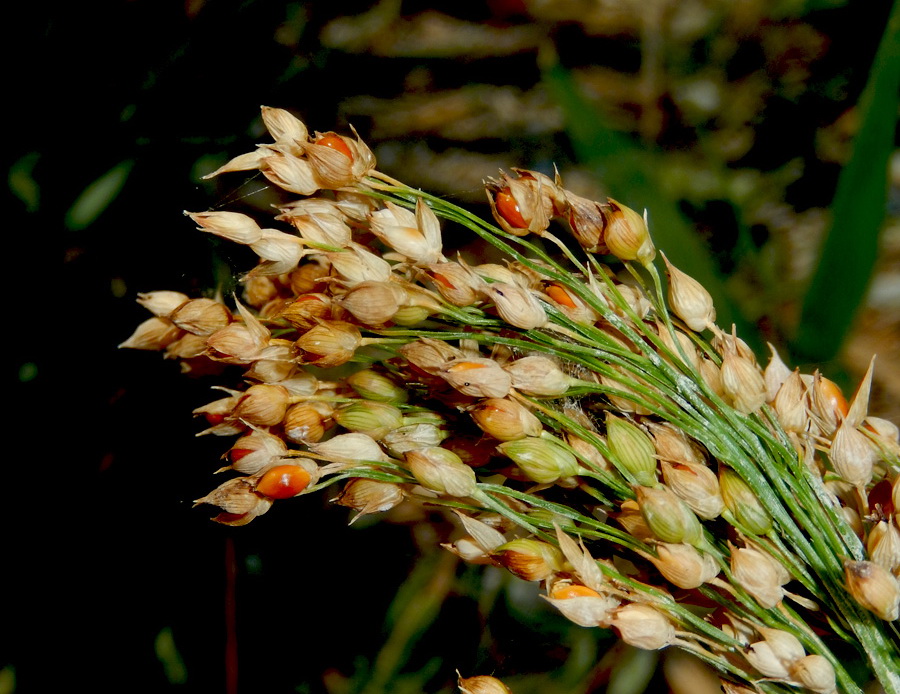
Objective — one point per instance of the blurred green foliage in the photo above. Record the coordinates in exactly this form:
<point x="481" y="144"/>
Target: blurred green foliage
<point x="850" y="249"/>
<point x="106" y="194"/>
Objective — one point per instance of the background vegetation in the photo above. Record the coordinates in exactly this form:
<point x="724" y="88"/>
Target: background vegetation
<point x="732" y="122"/>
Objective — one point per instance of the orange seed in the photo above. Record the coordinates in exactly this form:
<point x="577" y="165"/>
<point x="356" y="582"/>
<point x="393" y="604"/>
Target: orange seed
<point x="509" y="209"/>
<point x="834" y="397"/>
<point x="564" y="592"/>
<point x="335" y="142"/>
<point x="283" y="482"/>
<point x="560" y="296"/>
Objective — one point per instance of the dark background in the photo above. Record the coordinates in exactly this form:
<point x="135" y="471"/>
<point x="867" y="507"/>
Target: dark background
<point x="103" y="550"/>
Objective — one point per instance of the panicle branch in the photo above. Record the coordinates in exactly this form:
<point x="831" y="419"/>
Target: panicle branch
<point x="565" y="405"/>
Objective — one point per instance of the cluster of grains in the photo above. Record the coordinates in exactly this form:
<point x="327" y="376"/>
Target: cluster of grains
<point x="556" y="406"/>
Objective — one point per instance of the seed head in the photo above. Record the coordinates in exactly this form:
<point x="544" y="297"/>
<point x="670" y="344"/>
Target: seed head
<point x="742" y="381"/>
<point x="283" y="126"/>
<point x="367" y="496"/>
<point x="517" y="306"/>
<point x="263" y="405"/>
<point x="853" y="454"/>
<point x="712" y="376"/>
<point x="320" y="229"/>
<point x="455" y="283"/>
<point x="632" y="449"/>
<point x="356" y="264"/>
<point x="681" y="343"/>
<point x="582" y="605"/>
<point x="540" y="459"/>
<point x="287" y="480"/>
<point x="369" y="417"/>
<point x="816" y="673"/>
<point x="307" y="310"/>
<point x="416" y="236"/>
<point x="373" y="303"/>
<point x="758" y="574"/>
<point x="428" y="355"/>
<point x="162" y="303"/>
<point x="352" y="448"/>
<point x="643" y="626"/>
<point x="518" y="204"/>
<point x="374" y="385"/>
<point x="495" y="273"/>
<point x="537" y="375"/>
<point x="186" y="347"/>
<point x="673" y="445"/>
<point x="482" y="684"/>
<point x="218" y="414"/>
<point x="683" y="565"/>
<point x="310" y="276"/>
<point x="201" y="316"/>
<point x="476" y="376"/>
<point x="742" y="503"/>
<point x="280" y="253"/>
<point x="630" y="518"/>
<point x="588" y="222"/>
<point x="239" y="343"/>
<point x="883" y="545"/>
<point x="792" y="404"/>
<point x="589" y="452"/>
<point x="412" y="436"/>
<point x="626" y="233"/>
<point x="505" y="419"/>
<point x="236" y="496"/>
<point x="626" y="398"/>
<point x="697" y="486"/>
<point x="338" y="161"/>
<point x="689" y="299"/>
<point x="777" y="655"/>
<point x="442" y="471"/>
<point x="669" y="518"/>
<point x="529" y="559"/>
<point x="828" y="403"/>
<point x="254" y="452"/>
<point x="232" y="226"/>
<point x="775" y="375"/>
<point x="330" y="343"/>
<point x="873" y="587"/>
<point x="304" y="424"/>
<point x="153" y="334"/>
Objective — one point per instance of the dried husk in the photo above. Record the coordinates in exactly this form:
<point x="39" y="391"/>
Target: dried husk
<point x="441" y="470"/>
<point x="643" y="626"/>
<point x="873" y="587"/>
<point x="538" y="375"/>
<point x="153" y="334"/>
<point x="683" y="565"/>
<point x="367" y="496"/>
<point x="505" y="419"/>
<point x="476" y="376"/>
<point x="689" y="300"/>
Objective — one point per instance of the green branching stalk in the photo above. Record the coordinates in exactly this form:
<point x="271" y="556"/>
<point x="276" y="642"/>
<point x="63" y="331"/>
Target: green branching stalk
<point x="563" y="407"/>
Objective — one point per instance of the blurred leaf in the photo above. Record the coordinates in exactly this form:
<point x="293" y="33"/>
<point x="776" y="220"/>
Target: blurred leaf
<point x="168" y="655"/>
<point x="98" y="196"/>
<point x="7" y="680"/>
<point x="633" y="671"/>
<point x="841" y="278"/>
<point x="21" y="181"/>
<point x="28" y="371"/>
<point x="413" y="611"/>
<point x="797" y="8"/>
<point x="629" y="172"/>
